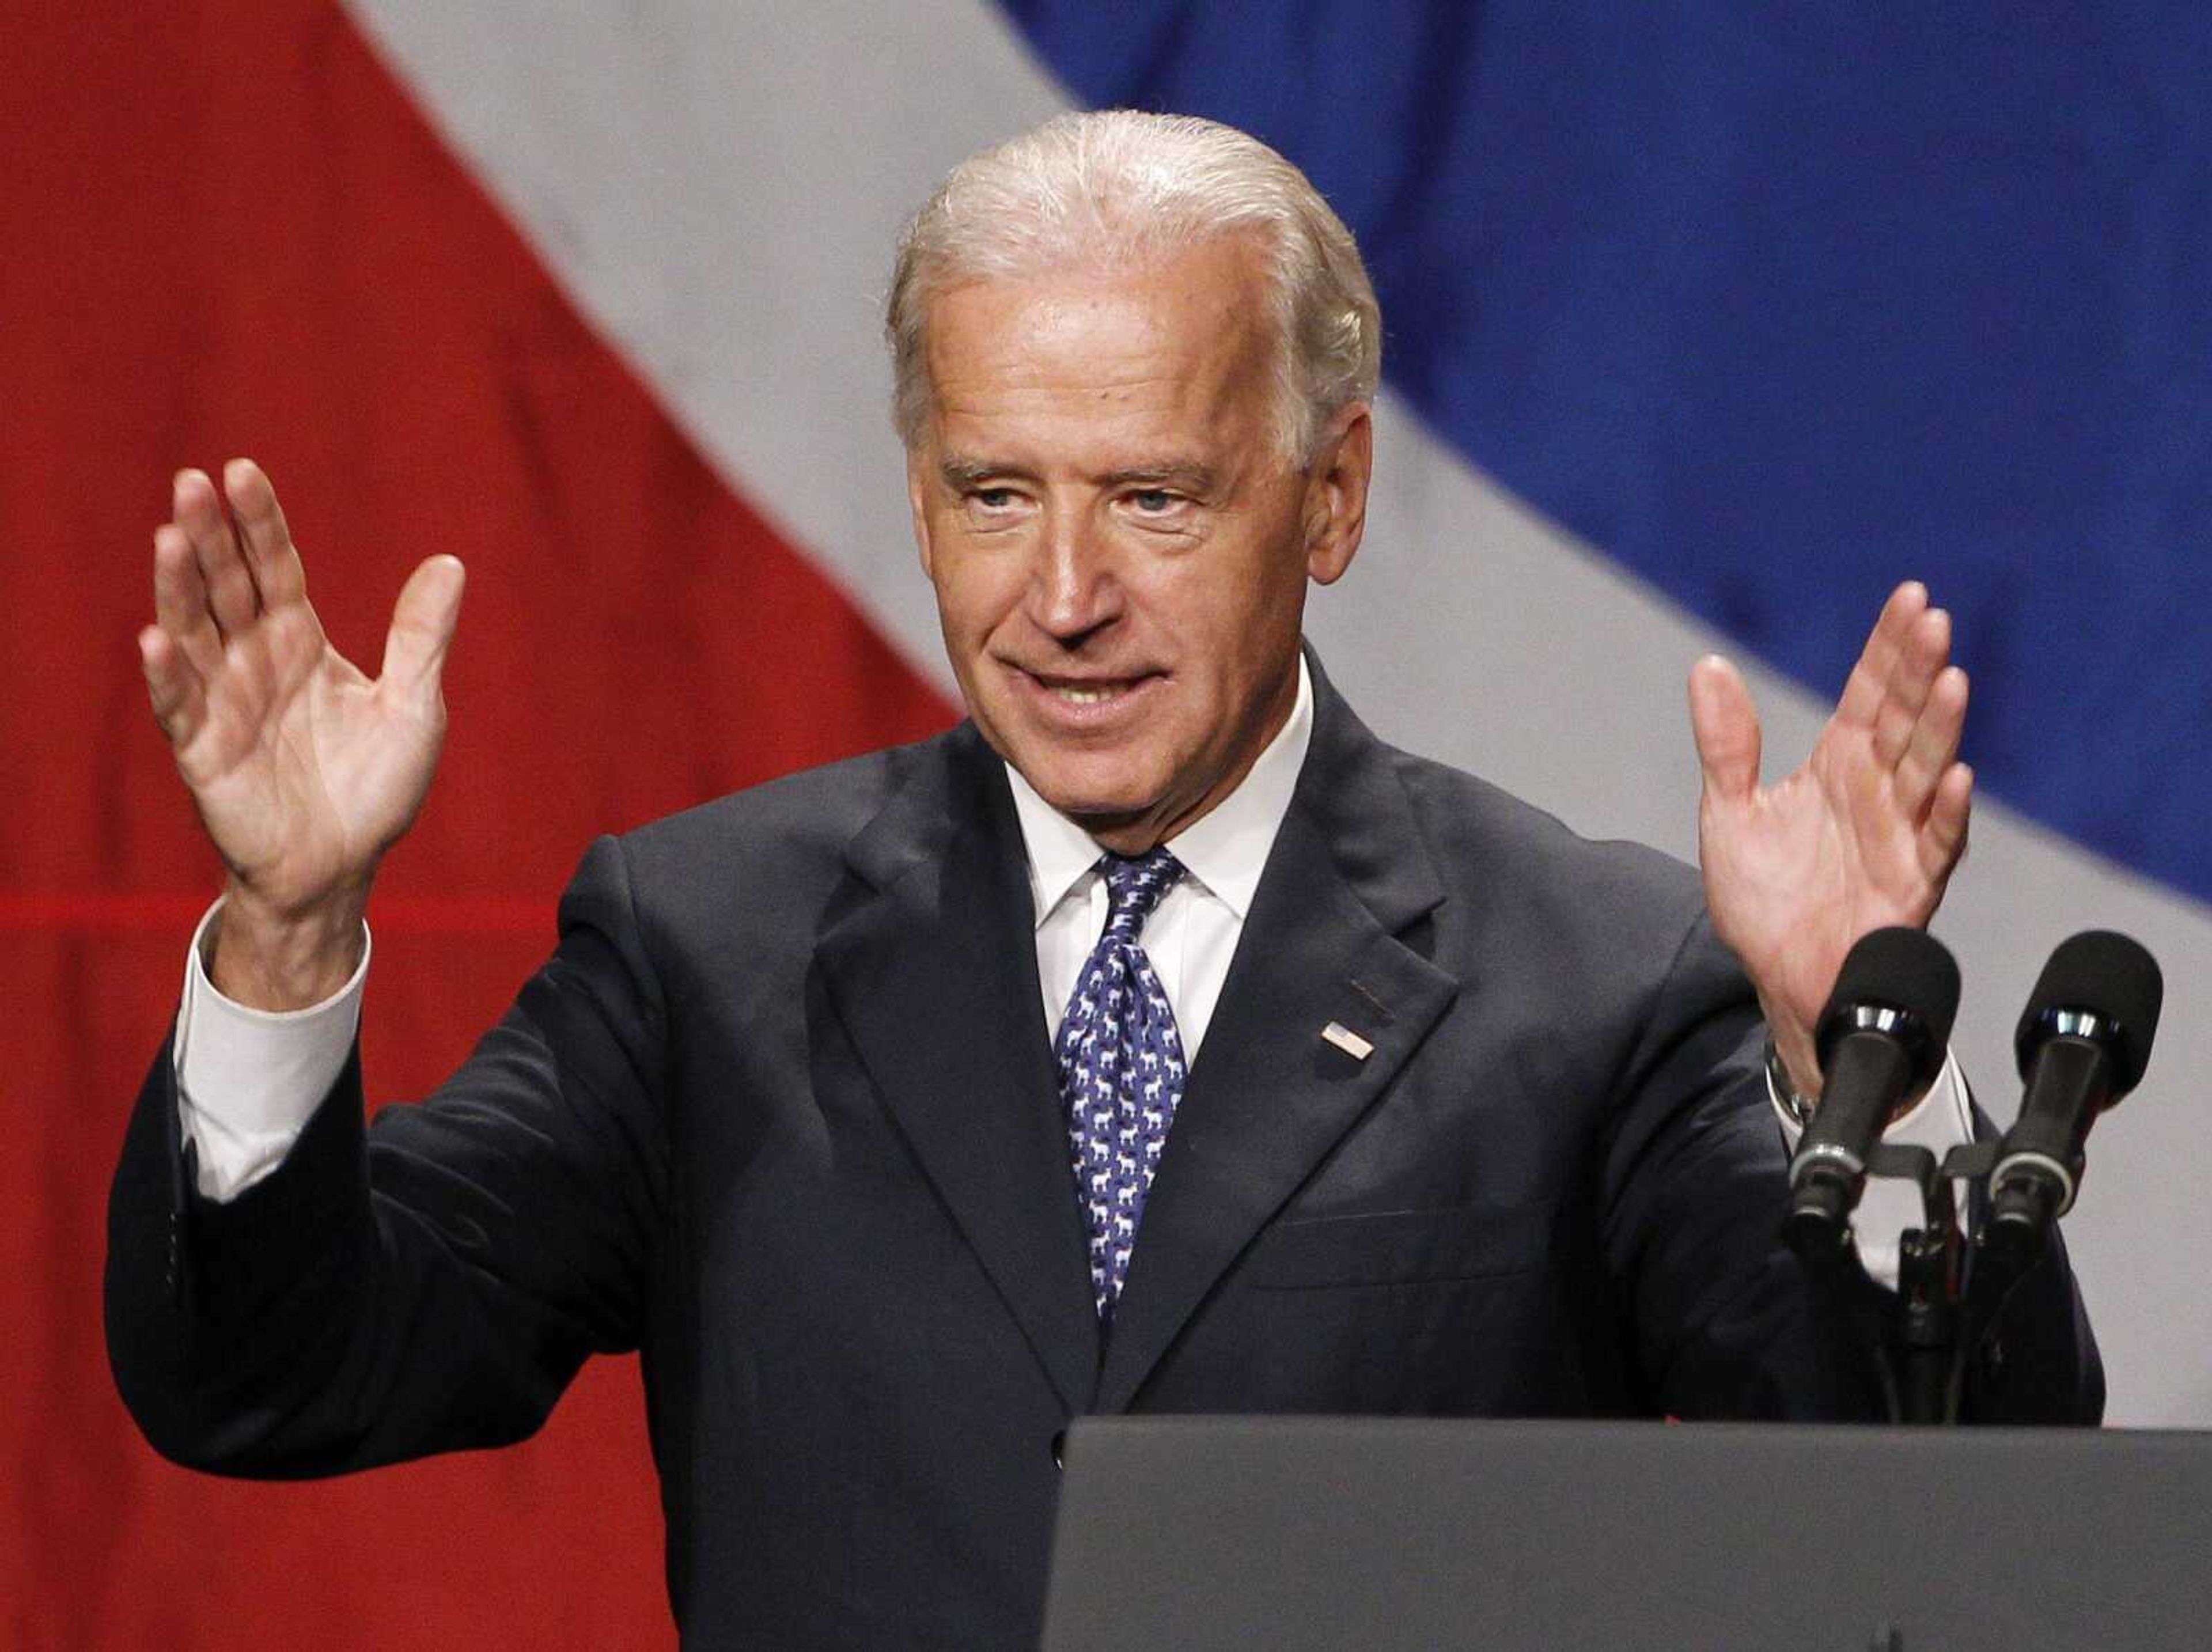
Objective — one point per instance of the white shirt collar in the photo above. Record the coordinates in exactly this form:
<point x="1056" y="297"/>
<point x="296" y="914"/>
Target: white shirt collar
<point x="1226" y="848"/>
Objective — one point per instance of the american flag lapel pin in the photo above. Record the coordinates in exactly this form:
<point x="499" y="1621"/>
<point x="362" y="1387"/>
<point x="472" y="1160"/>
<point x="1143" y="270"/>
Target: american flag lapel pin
<point x="1349" y="1042"/>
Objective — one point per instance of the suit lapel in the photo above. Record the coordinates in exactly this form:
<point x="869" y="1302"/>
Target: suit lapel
<point x="1268" y="1096"/>
<point x="932" y="970"/>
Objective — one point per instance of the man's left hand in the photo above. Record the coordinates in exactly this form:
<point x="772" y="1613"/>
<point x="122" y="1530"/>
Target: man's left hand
<point x="1866" y="834"/>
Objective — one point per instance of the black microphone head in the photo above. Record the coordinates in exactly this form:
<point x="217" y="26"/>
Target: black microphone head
<point x="1893" y="972"/>
<point x="2106" y="974"/>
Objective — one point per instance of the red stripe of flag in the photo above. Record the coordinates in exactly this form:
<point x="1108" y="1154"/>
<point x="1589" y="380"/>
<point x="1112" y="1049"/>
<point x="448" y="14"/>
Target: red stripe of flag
<point x="229" y="231"/>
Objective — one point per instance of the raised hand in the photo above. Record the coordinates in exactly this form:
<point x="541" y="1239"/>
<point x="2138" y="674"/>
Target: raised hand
<point x="1864" y="835"/>
<point x="304" y="770"/>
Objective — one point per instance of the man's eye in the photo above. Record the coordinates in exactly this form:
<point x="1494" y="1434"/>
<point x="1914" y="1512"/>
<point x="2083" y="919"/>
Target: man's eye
<point x="992" y="499"/>
<point x="1153" y="500"/>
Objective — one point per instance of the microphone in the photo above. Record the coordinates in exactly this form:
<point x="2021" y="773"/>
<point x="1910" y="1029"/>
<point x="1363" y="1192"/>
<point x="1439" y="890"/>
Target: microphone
<point x="2082" y="1044"/>
<point x="1881" y="1041"/>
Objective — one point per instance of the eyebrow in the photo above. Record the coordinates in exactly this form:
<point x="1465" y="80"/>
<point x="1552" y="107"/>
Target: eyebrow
<point x="1186" y="476"/>
<point x="962" y="472"/>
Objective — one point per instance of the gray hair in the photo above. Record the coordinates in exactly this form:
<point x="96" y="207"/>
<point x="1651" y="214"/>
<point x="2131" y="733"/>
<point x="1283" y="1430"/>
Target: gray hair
<point x="1117" y="190"/>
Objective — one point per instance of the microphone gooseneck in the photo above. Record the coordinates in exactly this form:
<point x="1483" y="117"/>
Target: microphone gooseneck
<point x="2082" y="1044"/>
<point x="1881" y="1042"/>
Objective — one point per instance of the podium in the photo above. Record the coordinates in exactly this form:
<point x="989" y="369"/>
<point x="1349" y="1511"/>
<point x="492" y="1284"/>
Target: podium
<point x="1198" y="1533"/>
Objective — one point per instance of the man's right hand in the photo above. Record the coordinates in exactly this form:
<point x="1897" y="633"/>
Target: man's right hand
<point x="304" y="771"/>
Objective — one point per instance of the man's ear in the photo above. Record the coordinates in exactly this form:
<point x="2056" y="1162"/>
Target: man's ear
<point x="1336" y="492"/>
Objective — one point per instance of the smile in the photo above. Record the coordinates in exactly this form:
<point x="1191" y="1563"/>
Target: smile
<point x="1088" y="703"/>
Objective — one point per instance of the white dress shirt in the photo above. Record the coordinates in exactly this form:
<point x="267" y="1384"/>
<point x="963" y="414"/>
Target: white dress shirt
<point x="248" y="1080"/>
<point x="1192" y="934"/>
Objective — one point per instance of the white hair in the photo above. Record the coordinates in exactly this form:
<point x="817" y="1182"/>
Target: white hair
<point x="1119" y="190"/>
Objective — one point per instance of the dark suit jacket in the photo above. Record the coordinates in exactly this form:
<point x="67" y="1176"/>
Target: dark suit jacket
<point x="781" y="1112"/>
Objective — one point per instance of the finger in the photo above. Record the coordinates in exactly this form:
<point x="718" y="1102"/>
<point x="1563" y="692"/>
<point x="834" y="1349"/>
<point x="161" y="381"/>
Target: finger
<point x="231" y="596"/>
<point x="1920" y="659"/>
<point x="423" y="623"/>
<point x="178" y="697"/>
<point x="1863" y="690"/>
<point x="1934" y="743"/>
<point x="1726" y="727"/>
<point x="180" y="600"/>
<point x="270" y="553"/>
<point x="1944" y="839"/>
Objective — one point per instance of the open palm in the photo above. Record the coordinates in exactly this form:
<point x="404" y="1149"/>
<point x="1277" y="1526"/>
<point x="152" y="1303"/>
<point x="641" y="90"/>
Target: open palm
<point x="303" y="770"/>
<point x="1865" y="833"/>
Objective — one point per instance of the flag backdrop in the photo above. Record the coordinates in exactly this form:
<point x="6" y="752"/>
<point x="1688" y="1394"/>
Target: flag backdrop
<point x="1705" y="326"/>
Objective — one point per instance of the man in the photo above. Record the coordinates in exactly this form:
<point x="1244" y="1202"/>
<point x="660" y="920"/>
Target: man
<point x="1158" y="1039"/>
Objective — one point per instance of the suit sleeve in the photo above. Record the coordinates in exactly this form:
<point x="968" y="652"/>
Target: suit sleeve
<point x="430" y="1281"/>
<point x="1725" y="1321"/>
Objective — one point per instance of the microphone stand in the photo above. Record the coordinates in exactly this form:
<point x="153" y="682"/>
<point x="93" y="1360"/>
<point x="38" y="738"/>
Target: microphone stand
<point x="1950" y="1290"/>
<point x="1928" y="1310"/>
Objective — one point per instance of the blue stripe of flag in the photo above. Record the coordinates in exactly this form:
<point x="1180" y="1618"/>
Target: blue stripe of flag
<point x="1778" y="305"/>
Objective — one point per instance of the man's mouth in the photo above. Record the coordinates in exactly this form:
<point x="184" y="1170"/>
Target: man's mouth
<point x="1088" y="693"/>
<point x="1092" y="695"/>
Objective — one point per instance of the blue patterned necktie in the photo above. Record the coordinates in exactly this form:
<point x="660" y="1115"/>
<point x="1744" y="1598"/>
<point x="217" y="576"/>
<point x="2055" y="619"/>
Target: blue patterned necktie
<point x="1120" y="1069"/>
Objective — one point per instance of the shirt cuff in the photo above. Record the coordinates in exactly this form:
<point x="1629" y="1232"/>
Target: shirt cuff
<point x="248" y="1080"/>
<point x="1940" y="1120"/>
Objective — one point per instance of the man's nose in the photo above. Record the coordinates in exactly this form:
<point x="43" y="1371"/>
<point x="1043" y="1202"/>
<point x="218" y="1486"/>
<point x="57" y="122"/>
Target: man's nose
<point x="1074" y="590"/>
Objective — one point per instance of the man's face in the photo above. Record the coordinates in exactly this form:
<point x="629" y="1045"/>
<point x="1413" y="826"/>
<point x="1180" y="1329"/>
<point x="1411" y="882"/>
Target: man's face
<point x="1119" y="548"/>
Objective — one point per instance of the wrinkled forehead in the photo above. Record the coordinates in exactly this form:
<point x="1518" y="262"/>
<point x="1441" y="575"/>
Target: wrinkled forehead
<point x="1187" y="336"/>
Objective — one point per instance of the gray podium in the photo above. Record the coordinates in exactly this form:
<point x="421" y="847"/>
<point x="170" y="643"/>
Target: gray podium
<point x="1292" y="1532"/>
